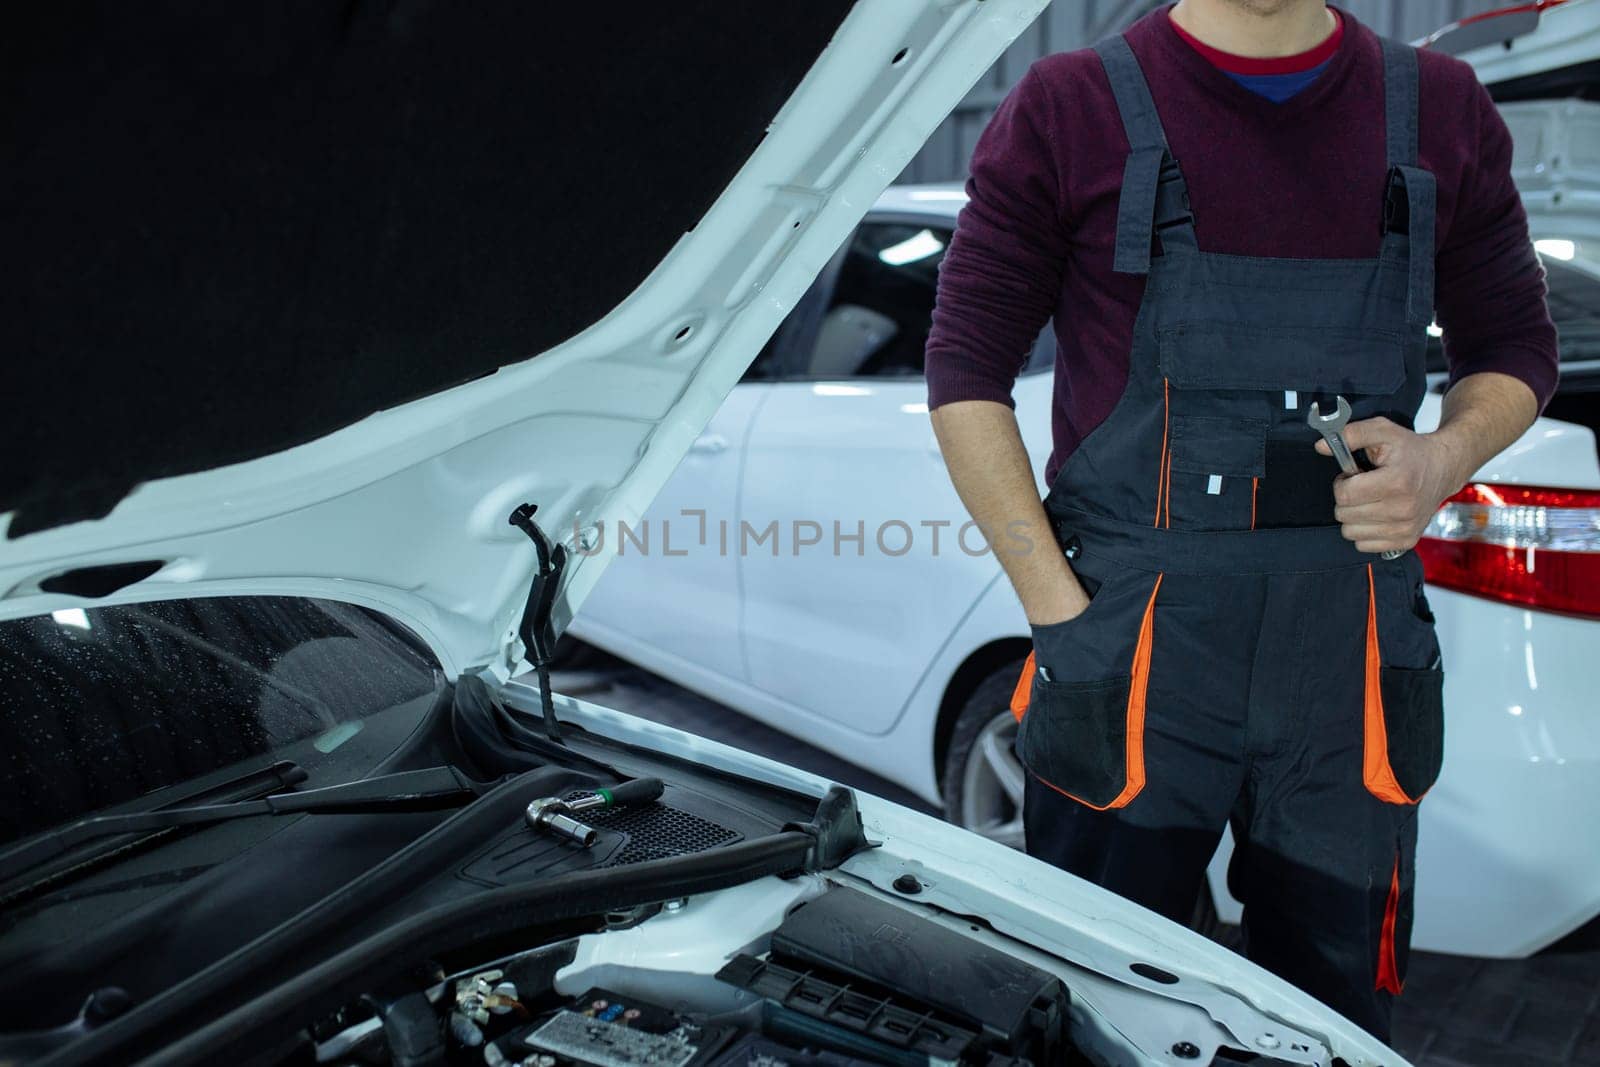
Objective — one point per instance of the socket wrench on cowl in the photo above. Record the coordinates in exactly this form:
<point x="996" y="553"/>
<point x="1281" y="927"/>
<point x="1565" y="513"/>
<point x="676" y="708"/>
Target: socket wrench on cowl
<point x="554" y="815"/>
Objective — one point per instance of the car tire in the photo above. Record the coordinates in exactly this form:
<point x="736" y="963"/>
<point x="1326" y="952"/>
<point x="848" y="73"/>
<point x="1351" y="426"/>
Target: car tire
<point x="1207" y="923"/>
<point x="571" y="654"/>
<point x="983" y="778"/>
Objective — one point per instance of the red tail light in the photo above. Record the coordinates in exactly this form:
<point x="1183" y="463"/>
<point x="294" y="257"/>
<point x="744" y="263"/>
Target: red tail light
<point x="1519" y="544"/>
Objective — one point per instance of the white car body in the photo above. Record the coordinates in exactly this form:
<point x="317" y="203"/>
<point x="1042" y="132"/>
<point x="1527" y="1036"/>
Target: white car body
<point x="605" y="418"/>
<point x="869" y="656"/>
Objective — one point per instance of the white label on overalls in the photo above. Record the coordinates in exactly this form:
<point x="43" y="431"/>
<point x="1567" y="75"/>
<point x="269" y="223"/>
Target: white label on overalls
<point x="1214" y="485"/>
<point x="1291" y="400"/>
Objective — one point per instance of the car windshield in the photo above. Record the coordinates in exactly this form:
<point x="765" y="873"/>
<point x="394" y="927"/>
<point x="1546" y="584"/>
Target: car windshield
<point x="100" y="706"/>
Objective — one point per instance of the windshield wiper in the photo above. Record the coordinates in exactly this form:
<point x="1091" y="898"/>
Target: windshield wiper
<point x="430" y="789"/>
<point x="251" y="785"/>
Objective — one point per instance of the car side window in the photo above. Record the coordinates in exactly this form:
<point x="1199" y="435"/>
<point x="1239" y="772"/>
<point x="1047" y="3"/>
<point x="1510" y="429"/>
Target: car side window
<point x="765" y="367"/>
<point x="877" y="317"/>
<point x="777" y="355"/>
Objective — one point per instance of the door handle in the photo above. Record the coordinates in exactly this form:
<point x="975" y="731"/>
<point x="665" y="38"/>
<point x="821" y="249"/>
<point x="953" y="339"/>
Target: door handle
<point x="709" y="444"/>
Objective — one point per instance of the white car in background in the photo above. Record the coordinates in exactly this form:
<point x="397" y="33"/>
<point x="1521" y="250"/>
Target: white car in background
<point x="887" y="641"/>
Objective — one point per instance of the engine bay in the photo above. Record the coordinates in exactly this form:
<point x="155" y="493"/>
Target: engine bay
<point x="488" y="894"/>
<point x="845" y="978"/>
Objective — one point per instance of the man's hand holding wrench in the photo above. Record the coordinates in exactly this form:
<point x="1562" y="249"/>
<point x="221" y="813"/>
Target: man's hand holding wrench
<point x="1383" y="509"/>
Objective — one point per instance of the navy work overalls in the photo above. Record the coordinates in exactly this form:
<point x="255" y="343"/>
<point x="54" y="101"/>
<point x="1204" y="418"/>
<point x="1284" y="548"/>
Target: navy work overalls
<point x="1239" y="660"/>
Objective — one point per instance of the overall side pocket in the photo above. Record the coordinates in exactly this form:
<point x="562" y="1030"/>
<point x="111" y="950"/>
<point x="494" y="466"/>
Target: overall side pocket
<point x="1085" y="738"/>
<point x="1075" y="738"/>
<point x="1413" y="724"/>
<point x="1403" y="720"/>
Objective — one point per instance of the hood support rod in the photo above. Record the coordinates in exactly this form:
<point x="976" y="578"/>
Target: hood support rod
<point x="536" y="630"/>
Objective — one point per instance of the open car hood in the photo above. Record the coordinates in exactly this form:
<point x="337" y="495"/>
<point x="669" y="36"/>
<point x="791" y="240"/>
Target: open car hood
<point x="277" y="289"/>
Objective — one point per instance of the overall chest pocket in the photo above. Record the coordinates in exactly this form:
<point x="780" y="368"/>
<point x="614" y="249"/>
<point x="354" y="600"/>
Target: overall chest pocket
<point x="1319" y="360"/>
<point x="1213" y="468"/>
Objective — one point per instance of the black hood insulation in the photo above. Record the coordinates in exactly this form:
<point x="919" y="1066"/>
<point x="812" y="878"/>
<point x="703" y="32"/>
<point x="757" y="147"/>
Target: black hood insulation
<point x="228" y="229"/>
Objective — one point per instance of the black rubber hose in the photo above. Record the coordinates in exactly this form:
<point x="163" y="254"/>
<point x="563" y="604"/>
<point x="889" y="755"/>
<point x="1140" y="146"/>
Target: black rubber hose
<point x="395" y="951"/>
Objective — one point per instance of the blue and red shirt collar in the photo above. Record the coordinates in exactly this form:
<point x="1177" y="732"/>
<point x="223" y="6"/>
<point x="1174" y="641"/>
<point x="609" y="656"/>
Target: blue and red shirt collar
<point x="1277" y="77"/>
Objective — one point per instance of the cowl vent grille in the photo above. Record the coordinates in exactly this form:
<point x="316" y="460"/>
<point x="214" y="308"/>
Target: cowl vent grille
<point x="657" y="831"/>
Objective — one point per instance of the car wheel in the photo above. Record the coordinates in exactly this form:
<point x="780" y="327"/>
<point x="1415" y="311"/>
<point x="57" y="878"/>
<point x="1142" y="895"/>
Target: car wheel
<point x="1207" y="923"/>
<point x="983" y="778"/>
<point x="571" y="654"/>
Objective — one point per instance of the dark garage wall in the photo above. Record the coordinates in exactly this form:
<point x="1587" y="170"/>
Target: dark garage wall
<point x="1069" y="24"/>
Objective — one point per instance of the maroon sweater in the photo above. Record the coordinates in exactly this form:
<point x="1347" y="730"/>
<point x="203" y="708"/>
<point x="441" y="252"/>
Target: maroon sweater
<point x="1303" y="178"/>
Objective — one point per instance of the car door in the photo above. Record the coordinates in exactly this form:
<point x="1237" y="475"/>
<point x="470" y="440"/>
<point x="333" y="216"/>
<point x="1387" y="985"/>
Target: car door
<point x="669" y="598"/>
<point x="866" y="572"/>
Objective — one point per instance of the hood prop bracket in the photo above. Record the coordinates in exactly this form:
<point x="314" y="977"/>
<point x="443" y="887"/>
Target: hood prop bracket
<point x="536" y="630"/>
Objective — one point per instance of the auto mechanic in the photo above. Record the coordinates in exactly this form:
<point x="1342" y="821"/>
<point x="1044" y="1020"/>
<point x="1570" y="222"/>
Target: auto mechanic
<point x="1235" y="210"/>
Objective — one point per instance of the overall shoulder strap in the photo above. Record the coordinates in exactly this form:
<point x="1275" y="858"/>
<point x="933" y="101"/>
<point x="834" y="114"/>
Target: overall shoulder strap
<point x="1410" y="199"/>
<point x="1152" y="186"/>
<point x="1138" y="109"/>
<point x="1400" y="102"/>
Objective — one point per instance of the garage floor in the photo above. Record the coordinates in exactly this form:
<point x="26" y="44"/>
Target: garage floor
<point x="1456" y="1011"/>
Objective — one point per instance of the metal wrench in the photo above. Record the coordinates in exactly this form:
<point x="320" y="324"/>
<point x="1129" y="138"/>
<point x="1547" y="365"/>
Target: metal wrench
<point x="1331" y="427"/>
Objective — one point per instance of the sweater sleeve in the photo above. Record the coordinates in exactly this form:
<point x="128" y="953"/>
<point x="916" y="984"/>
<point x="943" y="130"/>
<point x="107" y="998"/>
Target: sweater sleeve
<point x="1001" y="276"/>
<point x="1491" y="287"/>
